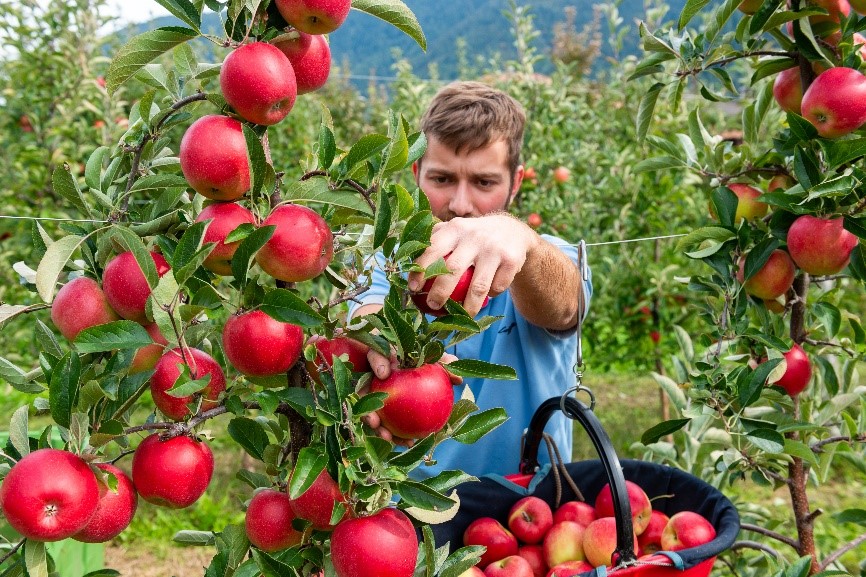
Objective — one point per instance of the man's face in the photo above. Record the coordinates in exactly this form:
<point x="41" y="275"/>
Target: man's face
<point x="467" y="184"/>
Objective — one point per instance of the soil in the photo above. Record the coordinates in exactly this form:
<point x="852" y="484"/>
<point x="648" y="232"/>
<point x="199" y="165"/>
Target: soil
<point x="176" y="562"/>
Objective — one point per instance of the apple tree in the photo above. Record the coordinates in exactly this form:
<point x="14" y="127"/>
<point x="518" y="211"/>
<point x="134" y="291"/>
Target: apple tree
<point x="208" y="279"/>
<point x="769" y="391"/>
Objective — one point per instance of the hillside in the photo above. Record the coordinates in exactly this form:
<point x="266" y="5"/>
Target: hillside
<point x="370" y="45"/>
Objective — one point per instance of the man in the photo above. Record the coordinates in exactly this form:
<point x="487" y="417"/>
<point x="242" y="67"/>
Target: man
<point x="470" y="173"/>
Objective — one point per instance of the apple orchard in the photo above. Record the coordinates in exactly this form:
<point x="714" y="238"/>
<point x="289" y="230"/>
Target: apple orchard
<point x="211" y="277"/>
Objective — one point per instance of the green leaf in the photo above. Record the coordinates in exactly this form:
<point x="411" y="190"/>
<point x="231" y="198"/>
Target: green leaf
<point x="395" y="13"/>
<point x="646" y="108"/>
<point x="416" y="494"/>
<point x="658" y="163"/>
<point x="299" y="399"/>
<point x="802" y="451"/>
<point x="63" y="389"/>
<point x="18" y="431"/>
<point x="398" y="151"/>
<point x="663" y="429"/>
<point x="311" y="462"/>
<point x="186" y="388"/>
<point x="250" y="435"/>
<point x="857" y="266"/>
<point x="117" y="335"/>
<point x="93" y="170"/>
<point x="404" y="331"/>
<point x="188" y="245"/>
<point x="481" y="369"/>
<point x="318" y="190"/>
<point x="103" y="573"/>
<point x="725" y="204"/>
<point x="270" y="566"/>
<point x="689" y="11"/>
<point x="719" y="19"/>
<point x="758" y="257"/>
<point x="857" y="516"/>
<point x="35" y="558"/>
<point x="56" y="256"/>
<point x="184" y="10"/>
<point x="66" y="186"/>
<point x="762" y="16"/>
<point x="711" y="238"/>
<point x="141" y="50"/>
<point x="830" y="317"/>
<point x="258" y="162"/>
<point x="478" y="425"/>
<point x="838" y="152"/>
<point x="247" y="250"/>
<point x="152" y="184"/>
<point x="190" y="537"/>
<point x="767" y="440"/>
<point x="286" y="306"/>
<point x="327" y="147"/>
<point x="366" y="147"/>
<point x="383" y="219"/>
<point x="749" y="391"/>
<point x="133" y="243"/>
<point x="253" y="479"/>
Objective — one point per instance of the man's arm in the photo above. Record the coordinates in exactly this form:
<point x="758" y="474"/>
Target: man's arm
<point x="545" y="284"/>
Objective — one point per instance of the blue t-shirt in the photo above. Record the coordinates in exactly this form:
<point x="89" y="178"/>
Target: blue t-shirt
<point x="544" y="361"/>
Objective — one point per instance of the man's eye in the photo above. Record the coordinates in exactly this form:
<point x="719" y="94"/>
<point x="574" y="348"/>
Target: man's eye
<point x="440" y="179"/>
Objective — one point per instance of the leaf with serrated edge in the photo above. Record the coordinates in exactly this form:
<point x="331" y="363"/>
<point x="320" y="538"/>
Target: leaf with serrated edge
<point x="142" y="50"/>
<point x="395" y="13"/>
<point x="436" y="517"/>
<point x="18" y="431"/>
<point x="51" y="265"/>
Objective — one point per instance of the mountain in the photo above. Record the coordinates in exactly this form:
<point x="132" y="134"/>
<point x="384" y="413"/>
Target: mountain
<point x="371" y="46"/>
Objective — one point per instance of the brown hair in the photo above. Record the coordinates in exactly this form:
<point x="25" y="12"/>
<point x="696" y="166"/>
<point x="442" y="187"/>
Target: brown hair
<point x="469" y="115"/>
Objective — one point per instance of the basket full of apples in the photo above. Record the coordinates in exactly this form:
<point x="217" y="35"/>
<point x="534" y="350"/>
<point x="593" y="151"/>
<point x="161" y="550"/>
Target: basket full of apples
<point x="639" y="519"/>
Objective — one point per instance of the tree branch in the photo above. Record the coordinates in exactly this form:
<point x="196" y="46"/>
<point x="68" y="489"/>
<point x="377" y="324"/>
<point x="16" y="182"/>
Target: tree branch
<point x="348" y="296"/>
<point x="364" y="192"/>
<point x="850" y="352"/>
<point x="12" y="551"/>
<point x="818" y="447"/>
<point x="832" y="557"/>
<point x="769" y="533"/>
<point x="755" y="545"/>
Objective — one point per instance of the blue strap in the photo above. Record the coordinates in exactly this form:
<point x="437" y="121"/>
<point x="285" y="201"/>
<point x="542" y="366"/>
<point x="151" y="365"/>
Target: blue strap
<point x="674" y="557"/>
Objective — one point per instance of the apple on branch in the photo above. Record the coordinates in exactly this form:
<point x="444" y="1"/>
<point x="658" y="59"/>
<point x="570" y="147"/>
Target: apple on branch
<point x="268" y="521"/>
<point x="820" y="246"/>
<point x="126" y="287"/>
<point x="314" y="16"/>
<point x="147" y="356"/>
<point x="310" y="57"/>
<point x="224" y="218"/>
<point x="218" y="172"/>
<point x="419" y="400"/>
<point x="259" y="345"/>
<point x="835" y="102"/>
<point x="173" y="473"/>
<point x="115" y="509"/>
<point x="80" y="304"/>
<point x="167" y="371"/>
<point x="798" y="371"/>
<point x="258" y="81"/>
<point x="327" y="349"/>
<point x="316" y="504"/>
<point x="773" y="279"/>
<point x="49" y="495"/>
<point x="301" y="247"/>
<point x="383" y="544"/>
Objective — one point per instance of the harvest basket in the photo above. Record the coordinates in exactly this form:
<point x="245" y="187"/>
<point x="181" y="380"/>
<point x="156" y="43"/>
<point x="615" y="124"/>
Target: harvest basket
<point x="494" y="495"/>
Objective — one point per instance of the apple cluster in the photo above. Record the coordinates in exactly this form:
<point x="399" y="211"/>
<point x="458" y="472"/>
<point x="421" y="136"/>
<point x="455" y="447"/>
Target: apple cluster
<point x="577" y="536"/>
<point x="50" y="494"/>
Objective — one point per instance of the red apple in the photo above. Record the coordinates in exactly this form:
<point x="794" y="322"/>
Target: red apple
<point x="820" y="246"/>
<point x="257" y="80"/>
<point x="773" y="279"/>
<point x="49" y="495"/>
<point x="327" y="349"/>
<point x="641" y="508"/>
<point x="563" y="542"/>
<point x="316" y="504"/>
<point x="126" y="287"/>
<point x="788" y="90"/>
<point x="314" y="16"/>
<point x="213" y="158"/>
<point x="569" y="569"/>
<point x="381" y="545"/>
<point x="529" y="519"/>
<point x="115" y="510"/>
<point x="685" y="530"/>
<point x="529" y="173"/>
<point x="147" y="356"/>
<point x="258" y="345"/>
<point x="534" y="220"/>
<point x="310" y="57"/>
<point x="835" y="103"/>
<point x="172" y="473"/>
<point x="458" y="294"/>
<point x="534" y="554"/>
<point x="576" y="511"/>
<point x="25" y="124"/>
<point x="835" y="10"/>
<point x="268" y="521"/>
<point x="748" y="207"/>
<point x="301" y="247"/>
<point x="490" y="533"/>
<point x="655" y="336"/>
<point x="650" y="540"/>
<point x="472" y="572"/>
<point x="561" y="174"/>
<point x="225" y="217"/>
<point x="512" y="566"/>
<point x="599" y="541"/>
<point x="167" y="371"/>
<point x="419" y="400"/>
<point x="80" y="304"/>
<point x="780" y="182"/>
<point x="798" y="371"/>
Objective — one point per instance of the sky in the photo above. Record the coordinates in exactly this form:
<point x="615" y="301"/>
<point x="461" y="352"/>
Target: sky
<point x="136" y="10"/>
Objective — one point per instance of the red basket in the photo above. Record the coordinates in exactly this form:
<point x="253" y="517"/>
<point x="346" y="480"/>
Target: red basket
<point x="494" y="495"/>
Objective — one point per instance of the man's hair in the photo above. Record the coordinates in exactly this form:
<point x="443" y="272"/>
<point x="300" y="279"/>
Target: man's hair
<point x="467" y="116"/>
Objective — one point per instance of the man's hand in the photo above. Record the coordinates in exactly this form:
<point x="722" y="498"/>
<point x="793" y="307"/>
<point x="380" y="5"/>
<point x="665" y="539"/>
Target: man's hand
<point x="382" y="367"/>
<point x="496" y="244"/>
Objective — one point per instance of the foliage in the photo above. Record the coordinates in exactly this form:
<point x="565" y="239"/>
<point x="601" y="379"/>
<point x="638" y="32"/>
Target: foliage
<point x="734" y="426"/>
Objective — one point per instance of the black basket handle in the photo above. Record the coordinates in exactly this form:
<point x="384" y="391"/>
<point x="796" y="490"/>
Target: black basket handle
<point x="576" y="410"/>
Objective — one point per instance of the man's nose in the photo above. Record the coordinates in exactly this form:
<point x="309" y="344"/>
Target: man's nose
<point x="461" y="201"/>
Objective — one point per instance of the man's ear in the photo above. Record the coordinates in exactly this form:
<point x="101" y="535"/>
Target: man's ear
<point x="516" y="181"/>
